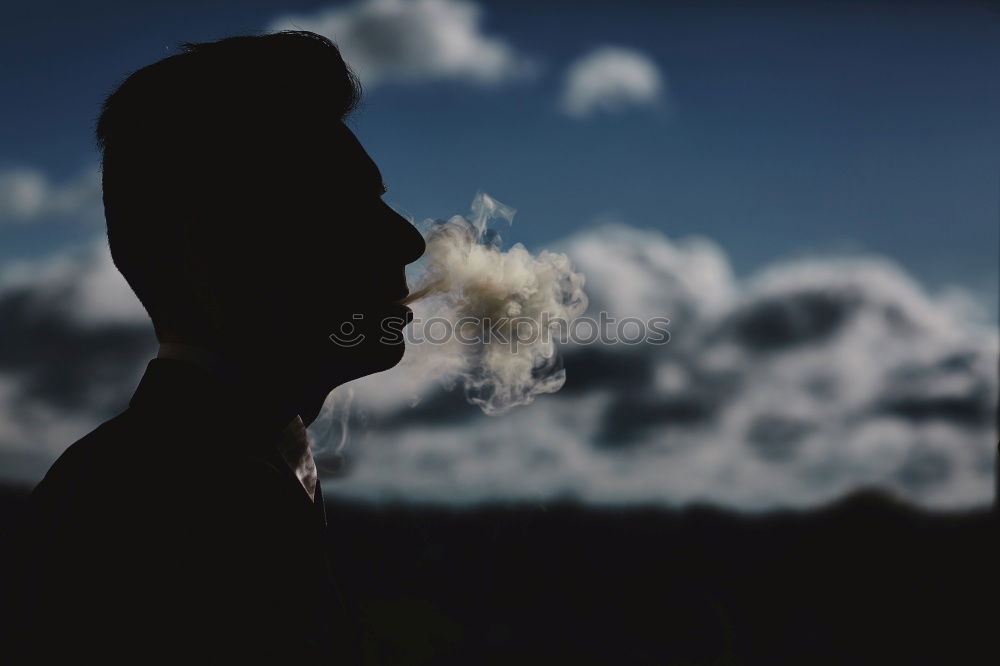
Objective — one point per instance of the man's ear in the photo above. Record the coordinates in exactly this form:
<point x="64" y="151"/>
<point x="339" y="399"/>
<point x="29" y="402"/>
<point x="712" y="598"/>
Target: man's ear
<point x="198" y="273"/>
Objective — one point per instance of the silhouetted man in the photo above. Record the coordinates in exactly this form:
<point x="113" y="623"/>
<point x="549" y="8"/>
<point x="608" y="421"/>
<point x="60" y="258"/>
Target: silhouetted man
<point x="248" y="220"/>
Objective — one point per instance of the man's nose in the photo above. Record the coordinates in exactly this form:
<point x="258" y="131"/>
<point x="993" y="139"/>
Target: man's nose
<point x="409" y="245"/>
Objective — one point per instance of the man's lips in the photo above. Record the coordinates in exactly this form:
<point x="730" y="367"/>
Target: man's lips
<point x="399" y="309"/>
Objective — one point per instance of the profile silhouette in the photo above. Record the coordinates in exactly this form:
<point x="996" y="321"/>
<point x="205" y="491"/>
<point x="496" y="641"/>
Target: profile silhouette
<point x="248" y="219"/>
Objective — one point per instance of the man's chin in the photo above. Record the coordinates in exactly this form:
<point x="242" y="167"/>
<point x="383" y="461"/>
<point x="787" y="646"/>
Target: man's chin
<point x="384" y="358"/>
<point x="362" y="361"/>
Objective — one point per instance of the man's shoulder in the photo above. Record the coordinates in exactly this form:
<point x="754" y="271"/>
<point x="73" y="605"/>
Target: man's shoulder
<point x="141" y="454"/>
<point x="90" y="458"/>
<point x="121" y="457"/>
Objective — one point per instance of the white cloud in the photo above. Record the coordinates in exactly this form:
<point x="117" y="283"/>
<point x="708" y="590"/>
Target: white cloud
<point x="792" y="388"/>
<point x="414" y="40"/>
<point x="80" y="284"/>
<point x="27" y="195"/>
<point x="611" y="79"/>
<point x="72" y="346"/>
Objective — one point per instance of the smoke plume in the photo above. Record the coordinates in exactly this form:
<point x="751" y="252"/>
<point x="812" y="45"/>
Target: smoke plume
<point x="496" y="307"/>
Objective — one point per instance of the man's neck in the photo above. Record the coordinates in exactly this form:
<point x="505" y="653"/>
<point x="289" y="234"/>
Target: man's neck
<point x="283" y="382"/>
<point x="253" y="376"/>
<point x="205" y="358"/>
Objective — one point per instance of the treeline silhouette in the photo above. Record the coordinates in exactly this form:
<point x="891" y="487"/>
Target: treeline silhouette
<point x="865" y="581"/>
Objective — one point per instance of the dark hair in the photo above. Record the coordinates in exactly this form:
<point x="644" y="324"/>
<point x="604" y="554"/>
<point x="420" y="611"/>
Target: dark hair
<point x="218" y="128"/>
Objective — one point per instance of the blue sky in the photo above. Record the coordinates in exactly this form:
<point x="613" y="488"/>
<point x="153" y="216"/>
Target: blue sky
<point x="791" y="129"/>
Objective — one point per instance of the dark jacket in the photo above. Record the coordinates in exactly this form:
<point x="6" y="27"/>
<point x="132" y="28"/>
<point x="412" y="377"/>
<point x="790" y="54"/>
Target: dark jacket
<point x="176" y="530"/>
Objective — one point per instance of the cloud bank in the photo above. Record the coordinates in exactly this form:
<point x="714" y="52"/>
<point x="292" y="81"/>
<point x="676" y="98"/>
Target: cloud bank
<point x="788" y="389"/>
<point x="611" y="79"/>
<point x="792" y="388"/>
<point x="414" y="41"/>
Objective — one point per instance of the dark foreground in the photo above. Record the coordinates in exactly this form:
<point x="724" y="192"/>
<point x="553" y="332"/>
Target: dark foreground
<point x="866" y="581"/>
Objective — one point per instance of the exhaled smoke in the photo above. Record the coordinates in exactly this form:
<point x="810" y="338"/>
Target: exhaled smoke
<point x="500" y="307"/>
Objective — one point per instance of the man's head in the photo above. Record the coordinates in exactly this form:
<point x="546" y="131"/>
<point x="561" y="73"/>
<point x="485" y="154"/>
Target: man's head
<point x="243" y="212"/>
